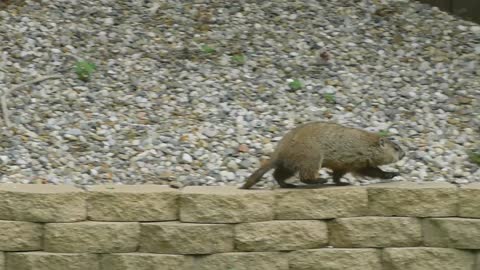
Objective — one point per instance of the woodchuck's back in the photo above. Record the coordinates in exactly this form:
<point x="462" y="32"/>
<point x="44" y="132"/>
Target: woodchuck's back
<point x="334" y="146"/>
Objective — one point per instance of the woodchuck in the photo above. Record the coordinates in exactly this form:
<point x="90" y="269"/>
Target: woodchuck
<point x="308" y="147"/>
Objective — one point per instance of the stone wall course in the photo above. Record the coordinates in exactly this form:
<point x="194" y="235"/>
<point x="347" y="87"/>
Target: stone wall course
<point x="336" y="259"/>
<point x="321" y="203"/>
<point x="280" y="235"/>
<point x="225" y="205"/>
<point x="414" y="200"/>
<point x="91" y="237"/>
<point x="185" y="238"/>
<point x="51" y="261"/>
<point x="462" y="233"/>
<point x="132" y="203"/>
<point x="421" y="258"/>
<point x="42" y="203"/>
<point x="469" y="201"/>
<point x="20" y="236"/>
<point x="145" y="261"/>
<point x="243" y="261"/>
<point x="375" y="232"/>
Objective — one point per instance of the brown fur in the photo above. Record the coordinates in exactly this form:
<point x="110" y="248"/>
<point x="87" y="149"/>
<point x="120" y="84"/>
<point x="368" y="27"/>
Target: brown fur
<point x="307" y="148"/>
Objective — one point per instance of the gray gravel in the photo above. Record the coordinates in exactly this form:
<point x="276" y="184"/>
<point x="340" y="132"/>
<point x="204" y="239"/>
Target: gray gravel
<point x="199" y="93"/>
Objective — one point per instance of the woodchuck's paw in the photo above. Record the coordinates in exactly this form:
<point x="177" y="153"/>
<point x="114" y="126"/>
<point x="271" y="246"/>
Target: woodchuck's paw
<point x="390" y="175"/>
<point x="285" y="185"/>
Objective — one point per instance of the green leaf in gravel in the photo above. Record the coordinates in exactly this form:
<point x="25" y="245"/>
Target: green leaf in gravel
<point x="383" y="133"/>
<point x="84" y="69"/>
<point x="474" y="156"/>
<point x="330" y="98"/>
<point x="295" y="85"/>
<point x="239" y="59"/>
<point x="207" y="49"/>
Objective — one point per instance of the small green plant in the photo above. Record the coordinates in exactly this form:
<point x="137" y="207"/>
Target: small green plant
<point x="84" y="69"/>
<point x="295" y="85"/>
<point x="239" y="59"/>
<point x="383" y="133"/>
<point x="207" y="49"/>
<point x="474" y="156"/>
<point x="330" y="98"/>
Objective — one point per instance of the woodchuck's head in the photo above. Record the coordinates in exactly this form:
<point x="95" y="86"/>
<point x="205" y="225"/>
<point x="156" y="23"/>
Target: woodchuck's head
<point x="388" y="152"/>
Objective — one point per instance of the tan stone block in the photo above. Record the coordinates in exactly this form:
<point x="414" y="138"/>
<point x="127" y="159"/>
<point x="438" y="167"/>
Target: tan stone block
<point x="185" y="238"/>
<point x="20" y="236"/>
<point x="225" y="204"/>
<point x="280" y="235"/>
<point x="145" y="261"/>
<point x="469" y="201"/>
<point x="421" y="258"/>
<point x="51" y="261"/>
<point x="132" y="203"/>
<point x="320" y="203"/>
<point x="243" y="261"/>
<point x="91" y="237"/>
<point x="375" y="232"/>
<point x="42" y="203"/>
<point x="2" y="261"/>
<point x="461" y="233"/>
<point x="335" y="259"/>
<point x="411" y="199"/>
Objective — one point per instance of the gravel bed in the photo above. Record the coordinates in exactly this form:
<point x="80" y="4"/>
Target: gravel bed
<point x="199" y="92"/>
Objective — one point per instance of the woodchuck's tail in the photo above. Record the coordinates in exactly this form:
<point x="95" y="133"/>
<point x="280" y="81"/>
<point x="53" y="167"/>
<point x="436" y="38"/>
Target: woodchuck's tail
<point x="257" y="175"/>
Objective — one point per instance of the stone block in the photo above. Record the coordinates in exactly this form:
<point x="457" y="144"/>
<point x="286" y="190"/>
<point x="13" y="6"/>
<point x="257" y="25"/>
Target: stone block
<point x="321" y="203"/>
<point x="415" y="200"/>
<point x="145" y="261"/>
<point x="421" y="258"/>
<point x="280" y="235"/>
<point x="225" y="204"/>
<point x="132" y="203"/>
<point x="51" y="261"/>
<point x="335" y="259"/>
<point x="42" y="203"/>
<point x="460" y="233"/>
<point x="243" y="261"/>
<point x="91" y="237"/>
<point x="469" y="201"/>
<point x="20" y="236"/>
<point x="185" y="238"/>
<point x="375" y="232"/>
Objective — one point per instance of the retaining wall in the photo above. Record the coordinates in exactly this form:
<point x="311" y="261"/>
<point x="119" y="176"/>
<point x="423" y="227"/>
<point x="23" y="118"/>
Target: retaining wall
<point x="387" y="227"/>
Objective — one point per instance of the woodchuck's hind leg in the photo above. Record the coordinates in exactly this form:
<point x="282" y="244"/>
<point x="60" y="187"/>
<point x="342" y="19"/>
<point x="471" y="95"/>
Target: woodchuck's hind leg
<point x="337" y="175"/>
<point x="280" y="174"/>
<point x="309" y="175"/>
<point x="377" y="173"/>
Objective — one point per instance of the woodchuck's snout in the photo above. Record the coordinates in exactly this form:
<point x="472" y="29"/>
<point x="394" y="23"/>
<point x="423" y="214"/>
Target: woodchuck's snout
<point x="309" y="147"/>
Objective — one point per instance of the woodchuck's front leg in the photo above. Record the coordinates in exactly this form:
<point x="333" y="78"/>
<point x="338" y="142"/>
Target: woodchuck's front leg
<point x="377" y="173"/>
